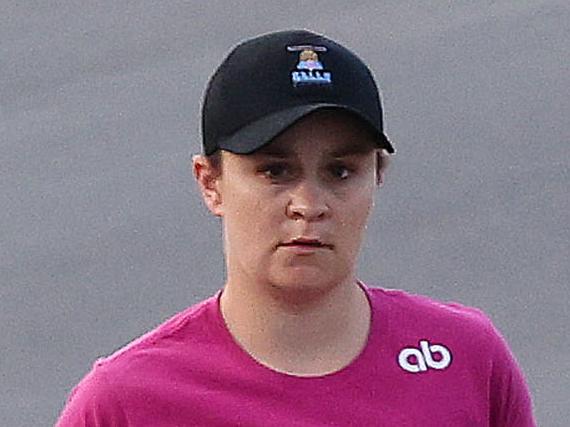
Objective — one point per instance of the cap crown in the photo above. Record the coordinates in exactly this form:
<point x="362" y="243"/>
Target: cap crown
<point x="280" y="71"/>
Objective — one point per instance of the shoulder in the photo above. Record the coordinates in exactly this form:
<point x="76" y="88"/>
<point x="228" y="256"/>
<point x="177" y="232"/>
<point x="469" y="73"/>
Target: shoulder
<point x="420" y="311"/>
<point x="115" y="383"/>
<point x="478" y="349"/>
<point x="149" y="351"/>
<point x="408" y="319"/>
<point x="184" y="329"/>
<point x="92" y="402"/>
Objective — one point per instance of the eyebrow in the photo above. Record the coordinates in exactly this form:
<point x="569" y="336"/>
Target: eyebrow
<point x="275" y="151"/>
<point x="352" y="150"/>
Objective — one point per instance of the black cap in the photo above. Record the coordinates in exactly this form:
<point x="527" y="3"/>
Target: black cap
<point x="268" y="83"/>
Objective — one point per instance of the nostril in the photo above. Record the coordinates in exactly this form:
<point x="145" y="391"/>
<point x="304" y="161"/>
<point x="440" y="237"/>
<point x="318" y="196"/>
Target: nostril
<point x="306" y="211"/>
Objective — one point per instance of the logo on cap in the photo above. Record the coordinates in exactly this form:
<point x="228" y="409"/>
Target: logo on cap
<point x="310" y="70"/>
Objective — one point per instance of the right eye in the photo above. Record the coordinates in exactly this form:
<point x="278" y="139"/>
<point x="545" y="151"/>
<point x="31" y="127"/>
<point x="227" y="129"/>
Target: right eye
<point x="275" y="171"/>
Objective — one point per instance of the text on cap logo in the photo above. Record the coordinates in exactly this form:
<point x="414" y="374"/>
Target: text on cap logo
<point x="309" y="68"/>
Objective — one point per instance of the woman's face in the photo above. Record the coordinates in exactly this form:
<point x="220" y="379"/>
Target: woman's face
<point x="294" y="212"/>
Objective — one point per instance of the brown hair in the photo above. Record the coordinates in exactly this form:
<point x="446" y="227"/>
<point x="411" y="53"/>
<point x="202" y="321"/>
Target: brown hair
<point x="215" y="160"/>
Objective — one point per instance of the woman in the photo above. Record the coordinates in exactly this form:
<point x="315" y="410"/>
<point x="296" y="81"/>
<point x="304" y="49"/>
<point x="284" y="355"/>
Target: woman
<point x="291" y="165"/>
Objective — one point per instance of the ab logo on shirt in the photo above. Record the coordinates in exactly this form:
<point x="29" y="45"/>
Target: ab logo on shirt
<point x="416" y="360"/>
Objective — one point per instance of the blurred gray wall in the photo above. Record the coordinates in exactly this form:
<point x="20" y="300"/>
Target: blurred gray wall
<point x="103" y="235"/>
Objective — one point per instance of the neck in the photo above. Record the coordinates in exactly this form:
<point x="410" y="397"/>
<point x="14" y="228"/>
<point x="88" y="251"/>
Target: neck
<point x="298" y="332"/>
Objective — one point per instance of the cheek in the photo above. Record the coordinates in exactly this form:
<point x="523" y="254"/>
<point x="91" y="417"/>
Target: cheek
<point x="251" y="214"/>
<point x="353" y="217"/>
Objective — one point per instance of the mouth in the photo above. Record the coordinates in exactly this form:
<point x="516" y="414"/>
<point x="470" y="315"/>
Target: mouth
<point x="307" y="243"/>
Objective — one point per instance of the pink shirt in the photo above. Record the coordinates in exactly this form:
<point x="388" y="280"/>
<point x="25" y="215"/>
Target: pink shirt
<point x="425" y="364"/>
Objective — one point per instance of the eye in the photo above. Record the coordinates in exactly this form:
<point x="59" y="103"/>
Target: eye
<point x="341" y="171"/>
<point x="275" y="171"/>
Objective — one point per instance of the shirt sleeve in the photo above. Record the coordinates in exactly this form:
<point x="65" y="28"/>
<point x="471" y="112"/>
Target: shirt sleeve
<point x="92" y="403"/>
<point x="511" y="403"/>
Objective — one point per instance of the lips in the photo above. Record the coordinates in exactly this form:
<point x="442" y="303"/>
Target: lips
<point x="304" y="242"/>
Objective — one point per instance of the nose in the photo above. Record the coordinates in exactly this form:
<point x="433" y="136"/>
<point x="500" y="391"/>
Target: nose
<point x="308" y="202"/>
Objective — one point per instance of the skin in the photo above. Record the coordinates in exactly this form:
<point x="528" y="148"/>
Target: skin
<point x="294" y="304"/>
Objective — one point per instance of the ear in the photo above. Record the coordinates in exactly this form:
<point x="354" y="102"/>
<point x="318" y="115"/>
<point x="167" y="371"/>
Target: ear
<point x="382" y="162"/>
<point x="208" y="179"/>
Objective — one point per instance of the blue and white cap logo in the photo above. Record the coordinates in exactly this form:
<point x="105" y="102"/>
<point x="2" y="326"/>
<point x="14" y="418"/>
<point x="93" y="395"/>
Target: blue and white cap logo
<point x="310" y="70"/>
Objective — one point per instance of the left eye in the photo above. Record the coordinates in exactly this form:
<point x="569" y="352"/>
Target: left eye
<point x="341" y="172"/>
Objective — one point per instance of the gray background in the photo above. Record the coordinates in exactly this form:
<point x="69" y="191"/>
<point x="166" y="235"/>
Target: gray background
<point x="103" y="235"/>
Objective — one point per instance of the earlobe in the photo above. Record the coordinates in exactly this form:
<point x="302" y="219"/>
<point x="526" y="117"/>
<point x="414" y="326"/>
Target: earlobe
<point x="208" y="179"/>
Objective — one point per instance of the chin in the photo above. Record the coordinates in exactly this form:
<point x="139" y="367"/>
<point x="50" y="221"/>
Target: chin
<point x="305" y="280"/>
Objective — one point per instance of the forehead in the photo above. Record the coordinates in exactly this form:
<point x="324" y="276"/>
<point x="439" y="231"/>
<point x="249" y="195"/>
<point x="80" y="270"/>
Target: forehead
<point x="328" y="132"/>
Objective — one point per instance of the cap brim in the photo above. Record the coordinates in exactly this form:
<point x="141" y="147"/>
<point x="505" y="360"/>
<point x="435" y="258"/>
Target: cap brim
<point x="259" y="133"/>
